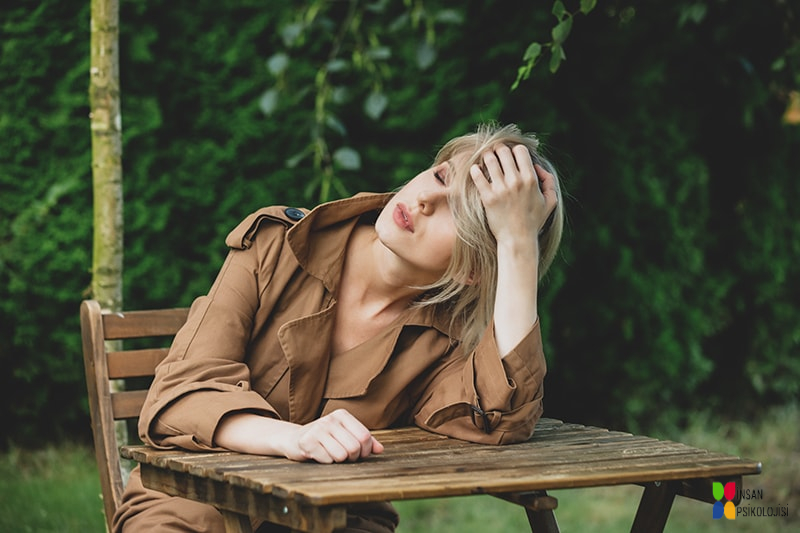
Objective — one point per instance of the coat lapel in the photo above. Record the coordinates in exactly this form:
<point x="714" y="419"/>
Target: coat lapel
<point x="306" y="344"/>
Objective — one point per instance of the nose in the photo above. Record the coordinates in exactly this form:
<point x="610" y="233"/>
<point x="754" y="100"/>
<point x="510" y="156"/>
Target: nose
<point x="429" y="200"/>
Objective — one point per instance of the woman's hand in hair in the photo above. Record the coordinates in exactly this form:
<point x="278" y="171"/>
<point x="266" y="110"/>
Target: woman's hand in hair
<point x="518" y="195"/>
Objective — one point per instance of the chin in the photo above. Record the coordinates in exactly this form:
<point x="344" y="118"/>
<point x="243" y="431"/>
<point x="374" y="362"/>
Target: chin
<point x="385" y="226"/>
<point x="388" y="240"/>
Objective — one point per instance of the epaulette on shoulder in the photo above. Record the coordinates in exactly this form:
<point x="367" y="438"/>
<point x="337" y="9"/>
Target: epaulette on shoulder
<point x="242" y="236"/>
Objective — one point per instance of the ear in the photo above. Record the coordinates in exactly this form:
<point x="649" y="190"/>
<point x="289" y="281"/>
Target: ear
<point x="472" y="279"/>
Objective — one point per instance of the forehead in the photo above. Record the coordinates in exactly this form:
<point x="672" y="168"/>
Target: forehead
<point x="455" y="160"/>
<point x="453" y="152"/>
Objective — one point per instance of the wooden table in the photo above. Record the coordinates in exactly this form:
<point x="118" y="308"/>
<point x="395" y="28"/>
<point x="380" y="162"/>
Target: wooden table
<point x="418" y="464"/>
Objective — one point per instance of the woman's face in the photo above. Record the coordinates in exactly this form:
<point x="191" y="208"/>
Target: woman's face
<point x="417" y="227"/>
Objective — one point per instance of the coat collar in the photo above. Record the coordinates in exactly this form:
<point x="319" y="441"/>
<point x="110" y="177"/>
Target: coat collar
<point x="318" y="242"/>
<point x="318" y="239"/>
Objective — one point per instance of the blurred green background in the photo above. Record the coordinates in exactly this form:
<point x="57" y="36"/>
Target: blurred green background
<point x="671" y="124"/>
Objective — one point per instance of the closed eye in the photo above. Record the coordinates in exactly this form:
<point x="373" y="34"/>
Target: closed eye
<point x="439" y="177"/>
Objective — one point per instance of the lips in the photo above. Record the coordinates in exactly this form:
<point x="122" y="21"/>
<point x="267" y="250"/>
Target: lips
<point x="402" y="217"/>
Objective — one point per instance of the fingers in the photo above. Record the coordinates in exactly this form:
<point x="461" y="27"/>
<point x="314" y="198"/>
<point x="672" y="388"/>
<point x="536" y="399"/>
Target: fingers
<point x="480" y="180"/>
<point x="547" y="185"/>
<point x="506" y="167"/>
<point x="377" y="447"/>
<point x="516" y="193"/>
<point x="336" y="438"/>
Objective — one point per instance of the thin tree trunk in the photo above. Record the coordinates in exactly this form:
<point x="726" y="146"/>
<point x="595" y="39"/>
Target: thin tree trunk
<point x="106" y="126"/>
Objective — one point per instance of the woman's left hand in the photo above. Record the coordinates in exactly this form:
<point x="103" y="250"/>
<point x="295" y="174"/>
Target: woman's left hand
<point x="517" y="195"/>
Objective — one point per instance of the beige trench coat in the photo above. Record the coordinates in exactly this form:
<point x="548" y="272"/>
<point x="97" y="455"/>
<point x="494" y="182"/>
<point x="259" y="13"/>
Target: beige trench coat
<point x="259" y="342"/>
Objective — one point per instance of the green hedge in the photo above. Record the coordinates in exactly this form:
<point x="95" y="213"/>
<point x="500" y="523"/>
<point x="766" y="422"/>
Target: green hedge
<point x="678" y="279"/>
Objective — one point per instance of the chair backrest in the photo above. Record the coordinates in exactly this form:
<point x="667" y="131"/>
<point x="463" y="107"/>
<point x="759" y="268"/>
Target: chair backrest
<point x="103" y="365"/>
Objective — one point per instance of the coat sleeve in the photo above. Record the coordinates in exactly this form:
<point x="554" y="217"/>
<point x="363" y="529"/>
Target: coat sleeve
<point x="482" y="397"/>
<point x="204" y="376"/>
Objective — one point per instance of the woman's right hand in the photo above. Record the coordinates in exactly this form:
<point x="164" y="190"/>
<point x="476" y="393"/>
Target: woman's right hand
<point x="335" y="438"/>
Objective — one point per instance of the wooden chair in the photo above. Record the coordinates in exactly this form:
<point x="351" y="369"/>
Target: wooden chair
<point x="104" y="362"/>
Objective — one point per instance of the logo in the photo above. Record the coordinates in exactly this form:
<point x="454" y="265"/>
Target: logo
<point x="724" y="505"/>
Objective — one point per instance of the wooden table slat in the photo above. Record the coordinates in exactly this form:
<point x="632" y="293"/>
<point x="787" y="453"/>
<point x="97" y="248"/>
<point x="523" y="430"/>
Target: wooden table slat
<point x="474" y="460"/>
<point x="508" y="480"/>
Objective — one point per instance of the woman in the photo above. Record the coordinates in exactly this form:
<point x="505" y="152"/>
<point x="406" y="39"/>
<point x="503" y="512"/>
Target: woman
<point x="418" y="307"/>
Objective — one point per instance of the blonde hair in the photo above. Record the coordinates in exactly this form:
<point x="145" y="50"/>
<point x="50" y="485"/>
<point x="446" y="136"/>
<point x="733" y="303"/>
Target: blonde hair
<point x="467" y="289"/>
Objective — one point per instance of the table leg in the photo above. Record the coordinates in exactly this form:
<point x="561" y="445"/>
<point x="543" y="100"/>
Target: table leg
<point x="654" y="507"/>
<point x="542" y="521"/>
<point x="538" y="506"/>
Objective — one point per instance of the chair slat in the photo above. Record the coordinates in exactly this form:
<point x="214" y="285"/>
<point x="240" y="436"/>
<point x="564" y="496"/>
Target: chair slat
<point x="135" y="363"/>
<point x="103" y="366"/>
<point x="136" y="324"/>
<point x="127" y="404"/>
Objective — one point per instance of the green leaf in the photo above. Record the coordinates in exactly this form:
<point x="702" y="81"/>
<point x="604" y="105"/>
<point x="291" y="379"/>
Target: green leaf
<point x="449" y="16"/>
<point x="347" y="158"/>
<point x="379" y="53"/>
<point x="426" y="55"/>
<point x="337" y="65"/>
<point x="290" y="33"/>
<point x="278" y="63"/>
<point x="308" y="190"/>
<point x="694" y="13"/>
<point x="335" y="124"/>
<point x="533" y="52"/>
<point x="398" y="23"/>
<point x="561" y="30"/>
<point x="293" y="161"/>
<point x="340" y="94"/>
<point x="377" y="7"/>
<point x="375" y="104"/>
<point x="778" y="64"/>
<point x="522" y="74"/>
<point x="559" y="10"/>
<point x="556" y="55"/>
<point x="587" y="6"/>
<point x="268" y="101"/>
<point x="340" y="188"/>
